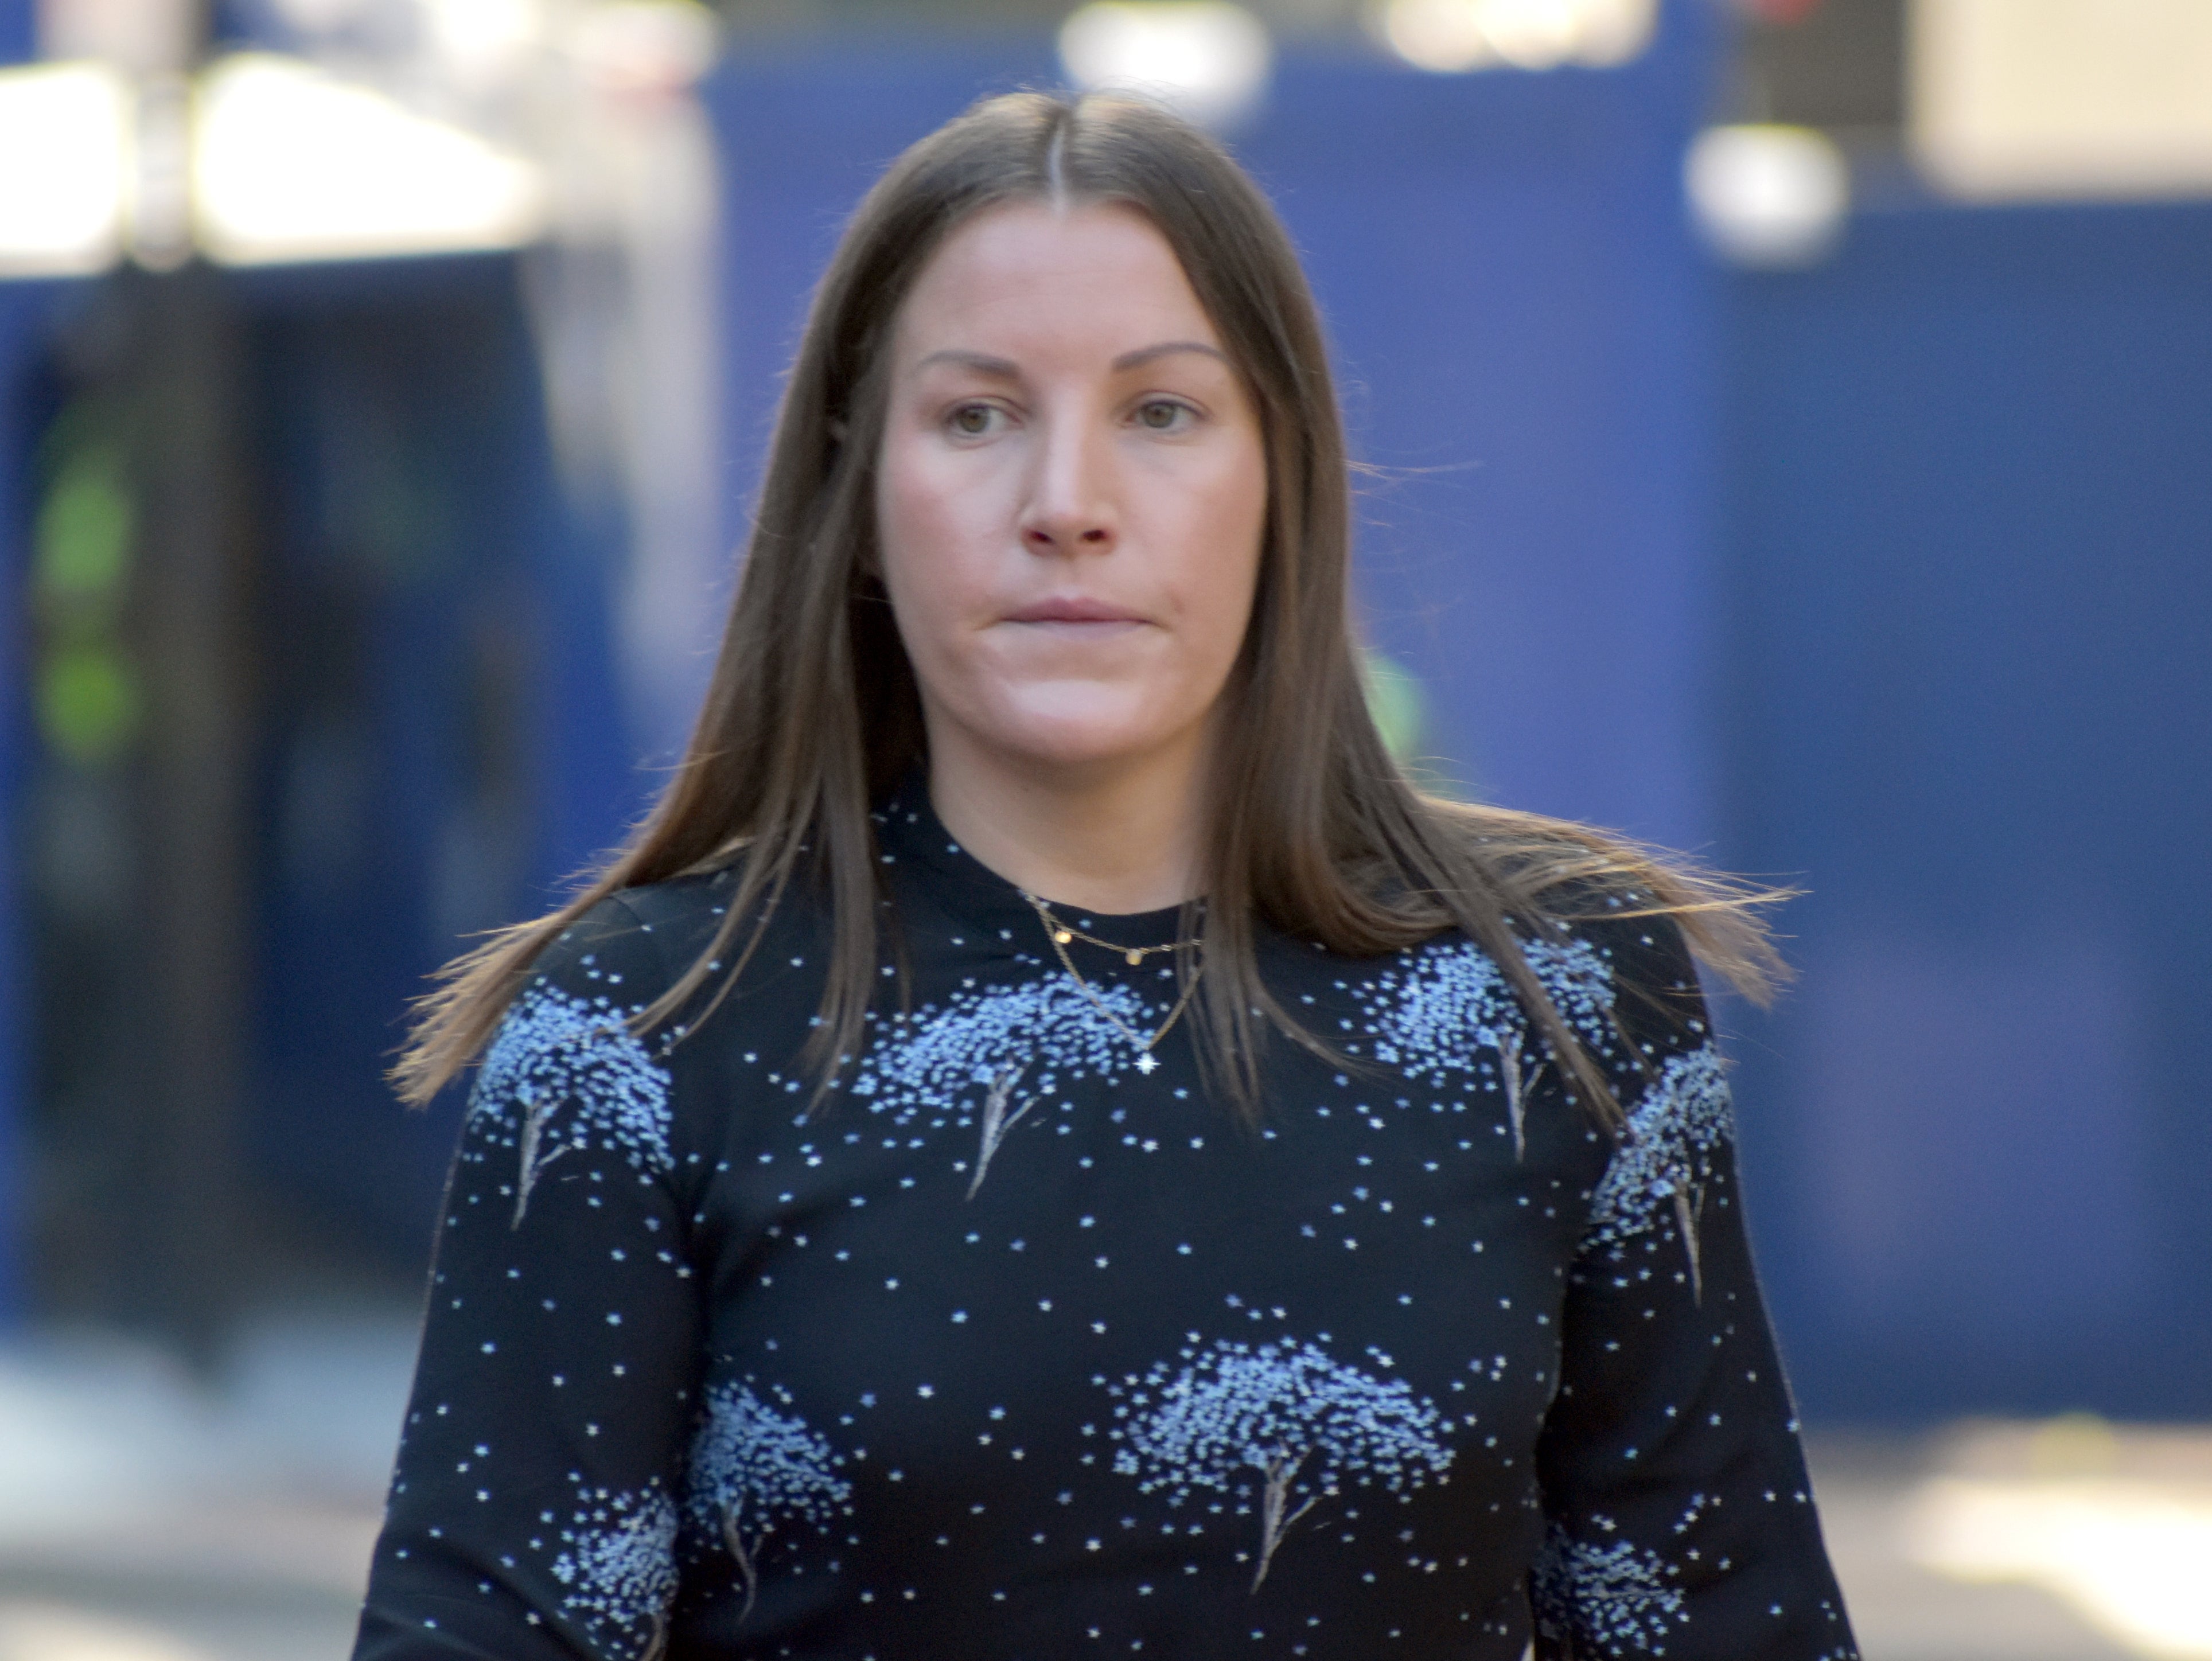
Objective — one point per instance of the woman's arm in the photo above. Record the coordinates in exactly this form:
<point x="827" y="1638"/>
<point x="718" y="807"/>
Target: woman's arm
<point x="535" y="1508"/>
<point x="1679" y="1520"/>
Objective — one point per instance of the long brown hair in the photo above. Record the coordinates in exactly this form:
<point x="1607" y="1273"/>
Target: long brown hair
<point x="813" y="715"/>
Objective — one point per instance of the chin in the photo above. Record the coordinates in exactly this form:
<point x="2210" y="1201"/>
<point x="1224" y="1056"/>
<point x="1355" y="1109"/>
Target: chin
<point x="1062" y="731"/>
<point x="1059" y="750"/>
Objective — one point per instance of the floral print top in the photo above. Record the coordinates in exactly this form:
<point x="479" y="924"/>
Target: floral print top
<point x="1022" y="1347"/>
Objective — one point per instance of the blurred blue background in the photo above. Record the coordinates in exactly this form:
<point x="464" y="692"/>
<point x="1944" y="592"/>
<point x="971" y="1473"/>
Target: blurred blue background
<point x="1784" y="429"/>
<point x="335" y="628"/>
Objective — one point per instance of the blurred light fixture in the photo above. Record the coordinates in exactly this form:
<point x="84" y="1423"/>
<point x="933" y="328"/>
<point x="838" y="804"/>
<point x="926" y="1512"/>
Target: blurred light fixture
<point x="1451" y="36"/>
<point x="63" y="213"/>
<point x="2129" y="1555"/>
<point x="481" y="45"/>
<point x="1768" y="196"/>
<point x="292" y="164"/>
<point x="1207" y="58"/>
<point x="2063" y="98"/>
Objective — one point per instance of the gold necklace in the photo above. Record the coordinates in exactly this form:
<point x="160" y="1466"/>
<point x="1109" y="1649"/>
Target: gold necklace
<point x="1060" y="935"/>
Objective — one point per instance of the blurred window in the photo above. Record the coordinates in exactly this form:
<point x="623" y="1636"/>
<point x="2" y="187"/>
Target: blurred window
<point x="2064" y="98"/>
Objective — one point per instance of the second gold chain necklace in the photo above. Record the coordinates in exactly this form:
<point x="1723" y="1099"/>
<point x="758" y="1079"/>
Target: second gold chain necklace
<point x="1062" y="936"/>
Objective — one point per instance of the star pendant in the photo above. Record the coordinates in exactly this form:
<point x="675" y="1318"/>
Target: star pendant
<point x="1146" y="1061"/>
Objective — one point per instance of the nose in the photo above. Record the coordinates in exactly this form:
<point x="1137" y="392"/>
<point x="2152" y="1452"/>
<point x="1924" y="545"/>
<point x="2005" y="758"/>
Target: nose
<point x="1070" y="507"/>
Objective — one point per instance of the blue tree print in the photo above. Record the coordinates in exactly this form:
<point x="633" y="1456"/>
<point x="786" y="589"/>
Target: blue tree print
<point x="1667" y="1156"/>
<point x="963" y="1062"/>
<point x="620" y="1565"/>
<point x="1432" y="1018"/>
<point x="1579" y="983"/>
<point x="997" y="1121"/>
<point x="752" y="1468"/>
<point x="1612" y="1600"/>
<point x="1427" y="1016"/>
<point x="1306" y="1424"/>
<point x="563" y="1072"/>
<point x="1580" y="986"/>
<point x="1450" y="1001"/>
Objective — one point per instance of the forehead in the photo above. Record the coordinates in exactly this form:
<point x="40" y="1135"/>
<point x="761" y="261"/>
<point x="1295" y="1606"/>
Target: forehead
<point x="1030" y="277"/>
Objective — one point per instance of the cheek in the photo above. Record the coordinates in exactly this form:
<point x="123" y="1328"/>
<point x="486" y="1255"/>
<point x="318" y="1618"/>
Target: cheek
<point x="1223" y="541"/>
<point x="928" y="542"/>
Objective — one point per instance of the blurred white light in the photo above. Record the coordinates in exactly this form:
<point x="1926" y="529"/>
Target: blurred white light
<point x="1450" y="36"/>
<point x="646" y="46"/>
<point x="1533" y="34"/>
<point x="291" y="163"/>
<point x="1445" y="36"/>
<point x="481" y="43"/>
<point x="1615" y="32"/>
<point x="1768" y="196"/>
<point x="1207" y="58"/>
<point x="62" y="214"/>
<point x="2130" y="1556"/>
<point x="54" y="1632"/>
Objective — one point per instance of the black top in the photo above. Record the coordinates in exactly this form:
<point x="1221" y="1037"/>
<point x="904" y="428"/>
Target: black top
<point x="1023" y="1347"/>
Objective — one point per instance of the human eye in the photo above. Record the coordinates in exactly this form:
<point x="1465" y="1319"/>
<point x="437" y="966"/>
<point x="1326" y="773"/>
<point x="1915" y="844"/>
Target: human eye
<point x="973" y="419"/>
<point x="1165" y="416"/>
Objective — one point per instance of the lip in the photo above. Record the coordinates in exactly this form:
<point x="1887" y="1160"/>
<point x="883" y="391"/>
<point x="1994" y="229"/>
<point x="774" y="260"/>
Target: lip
<point x="1074" y="610"/>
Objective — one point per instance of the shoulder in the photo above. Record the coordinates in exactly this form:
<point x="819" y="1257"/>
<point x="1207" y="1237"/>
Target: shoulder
<point x="653" y="932"/>
<point x="1573" y="892"/>
<point x="575" y="1029"/>
<point x="638" y="944"/>
<point x="617" y="958"/>
<point x="1655" y="914"/>
<point x="607" y="957"/>
<point x="678" y="919"/>
<point x="1609" y="974"/>
<point x="1648" y="964"/>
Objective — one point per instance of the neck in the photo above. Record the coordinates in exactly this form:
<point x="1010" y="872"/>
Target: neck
<point x="1105" y="838"/>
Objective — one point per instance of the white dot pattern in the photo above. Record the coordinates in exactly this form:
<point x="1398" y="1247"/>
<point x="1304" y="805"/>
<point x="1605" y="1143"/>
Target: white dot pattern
<point x="1014" y="1348"/>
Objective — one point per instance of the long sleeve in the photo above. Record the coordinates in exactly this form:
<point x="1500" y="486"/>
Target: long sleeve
<point x="1019" y="1344"/>
<point x="534" y="1511"/>
<point x="1680" y="1521"/>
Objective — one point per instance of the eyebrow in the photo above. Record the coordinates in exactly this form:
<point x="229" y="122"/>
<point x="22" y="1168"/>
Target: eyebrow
<point x="981" y="362"/>
<point x="1144" y="356"/>
<point x="1006" y="369"/>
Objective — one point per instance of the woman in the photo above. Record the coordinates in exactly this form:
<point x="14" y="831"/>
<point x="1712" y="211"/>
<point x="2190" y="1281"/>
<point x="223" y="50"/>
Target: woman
<point x="1046" y="1144"/>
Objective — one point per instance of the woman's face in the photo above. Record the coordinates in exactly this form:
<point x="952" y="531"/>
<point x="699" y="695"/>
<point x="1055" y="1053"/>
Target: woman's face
<point x="1071" y="494"/>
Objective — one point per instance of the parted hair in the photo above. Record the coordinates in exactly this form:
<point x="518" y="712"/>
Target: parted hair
<point x="812" y="716"/>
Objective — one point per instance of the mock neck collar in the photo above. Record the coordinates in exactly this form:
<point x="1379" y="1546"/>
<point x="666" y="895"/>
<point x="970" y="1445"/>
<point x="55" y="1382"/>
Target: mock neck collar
<point x="910" y="836"/>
